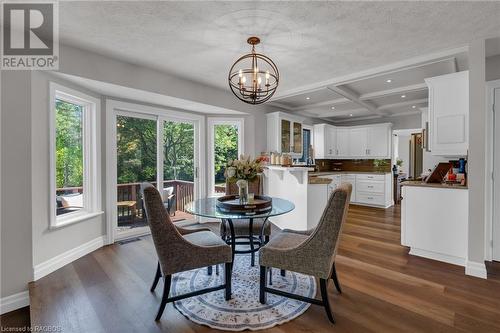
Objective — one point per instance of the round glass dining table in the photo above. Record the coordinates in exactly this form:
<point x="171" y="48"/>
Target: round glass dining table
<point x="207" y="207"/>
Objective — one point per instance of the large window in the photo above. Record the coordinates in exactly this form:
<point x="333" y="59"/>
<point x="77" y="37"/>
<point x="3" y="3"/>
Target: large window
<point x="74" y="170"/>
<point x="226" y="143"/>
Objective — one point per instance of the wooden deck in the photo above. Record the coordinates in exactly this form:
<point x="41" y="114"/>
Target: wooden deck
<point x="384" y="289"/>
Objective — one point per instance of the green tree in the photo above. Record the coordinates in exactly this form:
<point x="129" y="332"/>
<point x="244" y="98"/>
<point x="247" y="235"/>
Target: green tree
<point x="226" y="148"/>
<point x="69" y="144"/>
<point x="178" y="141"/>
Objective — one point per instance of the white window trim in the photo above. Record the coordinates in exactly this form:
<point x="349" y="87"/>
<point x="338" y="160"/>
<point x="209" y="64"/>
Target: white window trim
<point x="211" y="123"/>
<point x="91" y="160"/>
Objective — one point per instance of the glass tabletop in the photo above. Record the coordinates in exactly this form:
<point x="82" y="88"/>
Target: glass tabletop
<point x="207" y="208"/>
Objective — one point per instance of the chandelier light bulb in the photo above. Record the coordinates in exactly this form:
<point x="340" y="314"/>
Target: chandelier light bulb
<point x="240" y="73"/>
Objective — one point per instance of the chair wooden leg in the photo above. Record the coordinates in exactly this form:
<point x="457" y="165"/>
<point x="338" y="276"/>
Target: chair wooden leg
<point x="157" y="278"/>
<point x="217" y="269"/>
<point x="227" y="271"/>
<point x="266" y="239"/>
<point x="209" y="270"/>
<point x="283" y="272"/>
<point x="262" y="292"/>
<point x="252" y="246"/>
<point x="324" y="296"/>
<point x="335" y="279"/>
<point x="167" y="281"/>
<point x="270" y="276"/>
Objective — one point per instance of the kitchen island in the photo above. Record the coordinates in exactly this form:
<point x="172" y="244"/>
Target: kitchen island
<point x="434" y="221"/>
<point x="310" y="190"/>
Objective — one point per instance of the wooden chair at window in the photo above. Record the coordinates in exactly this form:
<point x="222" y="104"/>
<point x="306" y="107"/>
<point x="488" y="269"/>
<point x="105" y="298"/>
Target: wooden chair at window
<point x="242" y="226"/>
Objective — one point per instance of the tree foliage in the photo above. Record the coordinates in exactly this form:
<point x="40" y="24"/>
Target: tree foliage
<point x="69" y="144"/>
<point x="226" y="148"/>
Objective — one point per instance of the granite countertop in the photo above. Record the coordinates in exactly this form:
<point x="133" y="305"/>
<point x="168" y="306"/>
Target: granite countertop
<point x="319" y="180"/>
<point x="419" y="183"/>
<point x="325" y="173"/>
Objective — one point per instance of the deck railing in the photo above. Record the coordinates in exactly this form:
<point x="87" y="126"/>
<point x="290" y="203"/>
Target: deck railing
<point x="183" y="191"/>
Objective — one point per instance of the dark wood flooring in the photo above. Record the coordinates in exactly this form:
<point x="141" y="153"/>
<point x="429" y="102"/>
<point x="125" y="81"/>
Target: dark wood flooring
<point x="384" y="289"/>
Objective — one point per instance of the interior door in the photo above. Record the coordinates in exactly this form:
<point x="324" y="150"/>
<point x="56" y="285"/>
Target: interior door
<point x="496" y="176"/>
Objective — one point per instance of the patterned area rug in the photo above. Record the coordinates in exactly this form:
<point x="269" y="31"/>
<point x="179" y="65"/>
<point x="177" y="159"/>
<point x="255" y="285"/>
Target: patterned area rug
<point x="243" y="311"/>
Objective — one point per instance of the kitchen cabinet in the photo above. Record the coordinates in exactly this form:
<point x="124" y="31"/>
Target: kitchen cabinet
<point x="343" y="142"/>
<point x="284" y="133"/>
<point x="325" y="141"/>
<point x="449" y="114"/>
<point x="434" y="223"/>
<point x="358" y="142"/>
<point x="372" y="141"/>
<point x="374" y="189"/>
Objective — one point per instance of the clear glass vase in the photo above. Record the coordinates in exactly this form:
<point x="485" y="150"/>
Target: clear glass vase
<point x="242" y="191"/>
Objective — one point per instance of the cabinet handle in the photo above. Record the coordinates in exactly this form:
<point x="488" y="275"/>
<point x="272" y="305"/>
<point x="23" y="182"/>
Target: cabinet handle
<point x="369" y="186"/>
<point x="369" y="198"/>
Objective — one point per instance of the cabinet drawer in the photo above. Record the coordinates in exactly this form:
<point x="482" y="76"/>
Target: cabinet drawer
<point x="372" y="187"/>
<point x="371" y="177"/>
<point x="370" y="198"/>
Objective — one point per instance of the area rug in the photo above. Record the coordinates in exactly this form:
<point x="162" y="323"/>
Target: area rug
<point x="243" y="311"/>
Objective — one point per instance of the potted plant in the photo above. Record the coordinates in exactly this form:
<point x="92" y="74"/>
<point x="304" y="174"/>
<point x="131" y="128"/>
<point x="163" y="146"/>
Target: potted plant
<point x="399" y="163"/>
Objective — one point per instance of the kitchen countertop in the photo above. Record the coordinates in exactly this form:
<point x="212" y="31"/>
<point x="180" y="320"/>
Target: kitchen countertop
<point x="326" y="173"/>
<point x="292" y="168"/>
<point x="319" y="180"/>
<point x="419" y="183"/>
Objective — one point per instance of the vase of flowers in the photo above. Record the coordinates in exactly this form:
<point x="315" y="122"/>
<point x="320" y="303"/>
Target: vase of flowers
<point x="241" y="172"/>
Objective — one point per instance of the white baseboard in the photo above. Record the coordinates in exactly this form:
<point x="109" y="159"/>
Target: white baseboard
<point x="438" y="256"/>
<point x="477" y="269"/>
<point x="14" y="302"/>
<point x="67" y="257"/>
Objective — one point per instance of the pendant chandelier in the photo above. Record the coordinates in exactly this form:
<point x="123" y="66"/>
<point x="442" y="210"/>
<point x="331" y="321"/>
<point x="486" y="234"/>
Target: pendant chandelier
<point x="254" y="77"/>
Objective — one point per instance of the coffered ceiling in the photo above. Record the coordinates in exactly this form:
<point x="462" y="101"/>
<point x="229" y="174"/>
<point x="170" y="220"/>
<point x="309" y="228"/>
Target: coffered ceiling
<point x="312" y="43"/>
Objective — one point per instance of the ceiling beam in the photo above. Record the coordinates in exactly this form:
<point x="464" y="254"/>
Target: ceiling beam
<point x="394" y="91"/>
<point x="405" y="103"/>
<point x="330" y="102"/>
<point x="334" y="113"/>
<point x="447" y="55"/>
<point x="355" y="99"/>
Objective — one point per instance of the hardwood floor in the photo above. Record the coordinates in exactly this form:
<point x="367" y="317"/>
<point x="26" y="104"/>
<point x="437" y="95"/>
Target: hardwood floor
<point x="384" y="289"/>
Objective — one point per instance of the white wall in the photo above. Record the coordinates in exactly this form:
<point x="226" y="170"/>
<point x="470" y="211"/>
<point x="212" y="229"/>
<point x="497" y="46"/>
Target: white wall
<point x="493" y="68"/>
<point x="404" y="151"/>
<point x="47" y="243"/>
<point x="16" y="247"/>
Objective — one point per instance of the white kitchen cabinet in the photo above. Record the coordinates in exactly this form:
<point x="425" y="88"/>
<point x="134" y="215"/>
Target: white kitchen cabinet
<point x="350" y="179"/>
<point x="343" y="142"/>
<point x="374" y="189"/>
<point x="379" y="141"/>
<point x="284" y="133"/>
<point x="325" y="141"/>
<point x="434" y="223"/>
<point x="358" y="142"/>
<point x="449" y="114"/>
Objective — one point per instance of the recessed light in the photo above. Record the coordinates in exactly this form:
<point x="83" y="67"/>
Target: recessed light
<point x="333" y="107"/>
<point x="350" y="114"/>
<point x="403" y="96"/>
<point x="388" y="80"/>
<point x="308" y="98"/>
<point x="413" y="106"/>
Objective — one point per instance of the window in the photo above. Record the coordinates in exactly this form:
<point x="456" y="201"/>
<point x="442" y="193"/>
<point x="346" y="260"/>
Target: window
<point x="74" y="167"/>
<point x="226" y="143"/>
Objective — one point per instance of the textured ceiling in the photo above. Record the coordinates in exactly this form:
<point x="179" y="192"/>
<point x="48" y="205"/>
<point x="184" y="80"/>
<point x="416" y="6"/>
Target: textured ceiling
<point x="309" y="41"/>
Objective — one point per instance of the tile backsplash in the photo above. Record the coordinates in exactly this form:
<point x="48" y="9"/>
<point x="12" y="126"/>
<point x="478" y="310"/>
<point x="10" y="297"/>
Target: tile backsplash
<point x="365" y="165"/>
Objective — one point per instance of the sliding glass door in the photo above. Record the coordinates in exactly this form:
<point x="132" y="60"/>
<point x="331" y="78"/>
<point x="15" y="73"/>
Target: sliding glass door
<point x="161" y="150"/>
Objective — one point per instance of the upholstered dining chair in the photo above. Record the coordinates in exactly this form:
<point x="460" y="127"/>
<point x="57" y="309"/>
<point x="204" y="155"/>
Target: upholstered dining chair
<point x="178" y="253"/>
<point x="309" y="252"/>
<point x="242" y="226"/>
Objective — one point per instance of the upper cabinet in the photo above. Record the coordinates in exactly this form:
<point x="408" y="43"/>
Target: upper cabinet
<point x="371" y="141"/>
<point x="449" y="114"/>
<point x="284" y="133"/>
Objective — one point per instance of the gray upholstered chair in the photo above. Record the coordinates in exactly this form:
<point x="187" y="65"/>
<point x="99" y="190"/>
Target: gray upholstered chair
<point x="179" y="253"/>
<point x="242" y="226"/>
<point x="309" y="252"/>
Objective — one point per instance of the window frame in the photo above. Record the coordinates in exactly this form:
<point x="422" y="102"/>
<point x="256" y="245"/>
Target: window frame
<point x="211" y="123"/>
<point x="91" y="156"/>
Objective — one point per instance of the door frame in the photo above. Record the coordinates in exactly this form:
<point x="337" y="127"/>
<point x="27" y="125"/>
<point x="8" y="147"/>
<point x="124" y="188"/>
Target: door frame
<point x="490" y="168"/>
<point x="211" y="123"/>
<point x="114" y="108"/>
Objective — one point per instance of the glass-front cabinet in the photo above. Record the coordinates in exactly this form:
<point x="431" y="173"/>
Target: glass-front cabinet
<point x="284" y="134"/>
